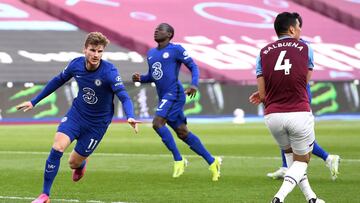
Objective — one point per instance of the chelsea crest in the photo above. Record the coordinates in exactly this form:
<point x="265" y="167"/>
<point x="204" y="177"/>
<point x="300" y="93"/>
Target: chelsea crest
<point x="97" y="82"/>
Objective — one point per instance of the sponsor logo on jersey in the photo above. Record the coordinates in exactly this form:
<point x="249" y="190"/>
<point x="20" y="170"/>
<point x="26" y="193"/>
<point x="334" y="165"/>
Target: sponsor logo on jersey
<point x="166" y="55"/>
<point x="186" y="55"/>
<point x="89" y="95"/>
<point x="157" y="72"/>
<point x="97" y="82"/>
<point x="64" y="119"/>
<point x="119" y="81"/>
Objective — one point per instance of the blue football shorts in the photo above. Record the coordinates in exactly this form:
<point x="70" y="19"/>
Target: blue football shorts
<point x="88" y="137"/>
<point x="171" y="108"/>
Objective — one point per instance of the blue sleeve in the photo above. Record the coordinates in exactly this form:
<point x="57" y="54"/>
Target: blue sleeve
<point x="311" y="57"/>
<point x="258" y="66"/>
<point x="184" y="58"/>
<point x="118" y="88"/>
<point x="310" y="66"/>
<point x="310" y="54"/>
<point x="126" y="103"/>
<point x="146" y="78"/>
<point x="309" y="92"/>
<point x="54" y="84"/>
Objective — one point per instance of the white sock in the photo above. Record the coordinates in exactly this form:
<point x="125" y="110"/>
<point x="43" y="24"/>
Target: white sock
<point x="292" y="178"/>
<point x="289" y="159"/>
<point x="304" y="182"/>
<point x="306" y="188"/>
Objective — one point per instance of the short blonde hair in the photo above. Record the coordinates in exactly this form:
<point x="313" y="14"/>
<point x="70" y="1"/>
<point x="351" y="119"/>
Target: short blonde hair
<point x="96" y="38"/>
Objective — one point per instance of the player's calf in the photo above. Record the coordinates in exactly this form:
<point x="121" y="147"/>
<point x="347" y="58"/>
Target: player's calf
<point x="79" y="172"/>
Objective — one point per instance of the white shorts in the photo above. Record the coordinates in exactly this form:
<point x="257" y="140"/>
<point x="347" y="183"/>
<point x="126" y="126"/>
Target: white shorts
<point x="293" y="129"/>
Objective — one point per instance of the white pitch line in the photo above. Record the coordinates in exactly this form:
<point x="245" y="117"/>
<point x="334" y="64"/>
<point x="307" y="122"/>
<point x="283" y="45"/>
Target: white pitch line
<point x="159" y="155"/>
<point x="54" y="200"/>
<point x="32" y="198"/>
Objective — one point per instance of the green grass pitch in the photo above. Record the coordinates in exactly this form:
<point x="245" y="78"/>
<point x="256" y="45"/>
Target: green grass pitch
<point x="128" y="167"/>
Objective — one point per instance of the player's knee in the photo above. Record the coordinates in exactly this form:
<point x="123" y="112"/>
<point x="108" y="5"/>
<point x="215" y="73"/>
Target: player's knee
<point x="73" y="164"/>
<point x="302" y="158"/>
<point x="61" y="142"/>
<point x="58" y="147"/>
<point x="182" y="133"/>
<point x="156" y="125"/>
<point x="158" y="122"/>
<point x="182" y="136"/>
<point x="307" y="158"/>
<point x="288" y="150"/>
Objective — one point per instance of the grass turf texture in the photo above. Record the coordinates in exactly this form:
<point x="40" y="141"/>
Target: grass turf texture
<point x="137" y="168"/>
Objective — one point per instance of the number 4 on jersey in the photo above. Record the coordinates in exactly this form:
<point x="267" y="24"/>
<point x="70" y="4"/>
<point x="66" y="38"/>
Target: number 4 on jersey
<point x="286" y="66"/>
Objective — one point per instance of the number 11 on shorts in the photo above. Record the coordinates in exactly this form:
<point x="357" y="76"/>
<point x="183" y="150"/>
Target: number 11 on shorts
<point x="92" y="144"/>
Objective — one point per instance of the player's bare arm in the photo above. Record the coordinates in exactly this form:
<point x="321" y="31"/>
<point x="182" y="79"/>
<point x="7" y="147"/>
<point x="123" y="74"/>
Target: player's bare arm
<point x="25" y="106"/>
<point x="261" y="88"/>
<point x="308" y="76"/>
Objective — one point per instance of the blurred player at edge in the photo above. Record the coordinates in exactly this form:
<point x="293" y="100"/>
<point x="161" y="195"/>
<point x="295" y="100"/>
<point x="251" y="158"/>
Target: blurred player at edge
<point x="91" y="111"/>
<point x="331" y="161"/>
<point x="283" y="71"/>
<point x="164" y="63"/>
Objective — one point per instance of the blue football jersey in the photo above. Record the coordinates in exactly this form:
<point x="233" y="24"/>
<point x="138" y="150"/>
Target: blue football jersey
<point x="309" y="92"/>
<point x="164" y="66"/>
<point x="94" y="102"/>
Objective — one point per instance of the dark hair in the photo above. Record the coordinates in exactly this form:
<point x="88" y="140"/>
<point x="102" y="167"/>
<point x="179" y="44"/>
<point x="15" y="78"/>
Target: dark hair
<point x="284" y="20"/>
<point x="169" y="29"/>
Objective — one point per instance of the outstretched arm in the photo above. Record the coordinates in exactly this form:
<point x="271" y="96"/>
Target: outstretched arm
<point x="119" y="89"/>
<point x="52" y="85"/>
<point x="25" y="106"/>
<point x="128" y="109"/>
